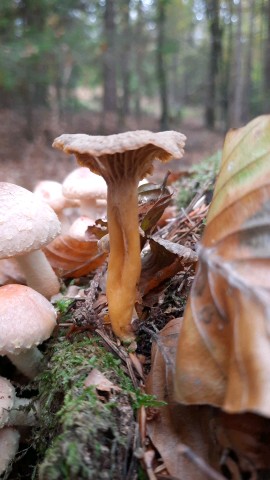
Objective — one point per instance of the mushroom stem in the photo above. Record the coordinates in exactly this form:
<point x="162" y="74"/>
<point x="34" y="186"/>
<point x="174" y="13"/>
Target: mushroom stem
<point x="27" y="361"/>
<point x="19" y="415"/>
<point x="124" y="261"/>
<point x="39" y="273"/>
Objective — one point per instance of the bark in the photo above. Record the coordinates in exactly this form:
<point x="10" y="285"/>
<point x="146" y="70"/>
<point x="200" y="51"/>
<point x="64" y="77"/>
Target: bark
<point x="266" y="100"/>
<point x="237" y="75"/>
<point x="125" y="59"/>
<point x="161" y="64"/>
<point x="215" y="31"/>
<point x="248" y="65"/>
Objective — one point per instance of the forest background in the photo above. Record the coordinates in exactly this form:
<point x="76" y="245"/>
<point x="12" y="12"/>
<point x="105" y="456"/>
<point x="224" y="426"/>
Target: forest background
<point x="104" y="66"/>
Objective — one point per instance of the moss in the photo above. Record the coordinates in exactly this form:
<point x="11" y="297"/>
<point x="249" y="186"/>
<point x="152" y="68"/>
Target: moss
<point x="88" y="436"/>
<point x="201" y="176"/>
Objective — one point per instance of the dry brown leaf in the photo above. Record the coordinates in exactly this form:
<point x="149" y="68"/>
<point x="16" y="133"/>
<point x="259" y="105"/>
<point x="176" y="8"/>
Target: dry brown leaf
<point x="175" y="424"/>
<point x="71" y="258"/>
<point x="163" y="261"/>
<point x="97" y="379"/>
<point x="223" y="356"/>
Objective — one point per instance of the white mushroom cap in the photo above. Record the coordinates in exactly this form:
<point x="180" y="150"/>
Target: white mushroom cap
<point x="9" y="444"/>
<point x="84" y="184"/>
<point x="26" y="223"/>
<point x="27" y="318"/>
<point x="7" y="397"/>
<point x="79" y="226"/>
<point x="51" y="192"/>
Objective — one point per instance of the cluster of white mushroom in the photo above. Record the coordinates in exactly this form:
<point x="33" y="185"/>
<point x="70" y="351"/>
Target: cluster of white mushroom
<point x="28" y="222"/>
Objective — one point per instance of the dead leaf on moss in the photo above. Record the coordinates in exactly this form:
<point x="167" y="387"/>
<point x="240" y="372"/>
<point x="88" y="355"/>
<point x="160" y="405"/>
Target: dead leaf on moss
<point x="98" y="380"/>
<point x="223" y="355"/>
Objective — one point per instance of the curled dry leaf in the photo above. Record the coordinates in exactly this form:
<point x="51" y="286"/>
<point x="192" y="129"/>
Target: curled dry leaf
<point x="175" y="424"/>
<point x="223" y="356"/>
<point x="163" y="261"/>
<point x="72" y="258"/>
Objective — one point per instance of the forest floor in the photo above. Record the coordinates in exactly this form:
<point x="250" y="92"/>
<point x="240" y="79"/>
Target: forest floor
<point x="98" y="413"/>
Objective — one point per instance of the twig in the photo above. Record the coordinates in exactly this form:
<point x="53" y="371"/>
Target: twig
<point x="199" y="462"/>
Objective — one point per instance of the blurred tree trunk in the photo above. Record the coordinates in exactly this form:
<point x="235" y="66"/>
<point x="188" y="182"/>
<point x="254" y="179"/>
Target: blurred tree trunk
<point x="215" y="31"/>
<point x="237" y="75"/>
<point x="137" y="95"/>
<point x="247" y="89"/>
<point x="109" y="59"/>
<point x="161" y="64"/>
<point x="126" y="43"/>
<point x="266" y="99"/>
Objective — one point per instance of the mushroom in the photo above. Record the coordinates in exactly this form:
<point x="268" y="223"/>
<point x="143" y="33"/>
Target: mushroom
<point x="27" y="319"/>
<point x="26" y="224"/>
<point x="122" y="160"/>
<point x="79" y="227"/>
<point x="9" y="444"/>
<point x="89" y="188"/>
<point x="51" y="192"/>
<point x="12" y="408"/>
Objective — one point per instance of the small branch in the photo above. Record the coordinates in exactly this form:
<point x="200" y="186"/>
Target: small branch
<point x="199" y="462"/>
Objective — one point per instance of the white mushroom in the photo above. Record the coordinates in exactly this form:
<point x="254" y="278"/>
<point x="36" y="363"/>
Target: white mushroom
<point x="50" y="192"/>
<point x="27" y="319"/>
<point x="12" y="411"/>
<point x="26" y="224"/>
<point x="9" y="444"/>
<point x="89" y="188"/>
<point x="79" y="227"/>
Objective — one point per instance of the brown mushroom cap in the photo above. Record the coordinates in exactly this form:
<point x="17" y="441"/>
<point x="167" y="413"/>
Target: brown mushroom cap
<point x="87" y="148"/>
<point x="27" y="318"/>
<point x="26" y="223"/>
<point x="122" y="160"/>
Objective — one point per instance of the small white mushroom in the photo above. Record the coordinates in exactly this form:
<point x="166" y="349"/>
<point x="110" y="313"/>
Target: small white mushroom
<point x="9" y="444"/>
<point x="26" y="224"/>
<point x="89" y="188"/>
<point x="79" y="227"/>
<point x="12" y="408"/>
<point x="27" y="319"/>
<point x="50" y="192"/>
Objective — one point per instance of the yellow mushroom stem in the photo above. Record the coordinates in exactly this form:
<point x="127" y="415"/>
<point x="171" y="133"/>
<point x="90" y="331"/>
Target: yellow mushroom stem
<point x="124" y="261"/>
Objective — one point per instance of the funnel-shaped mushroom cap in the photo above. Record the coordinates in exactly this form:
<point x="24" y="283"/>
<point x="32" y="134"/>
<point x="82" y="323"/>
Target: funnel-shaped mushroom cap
<point x="88" y="150"/>
<point x="26" y="223"/>
<point x="27" y="318"/>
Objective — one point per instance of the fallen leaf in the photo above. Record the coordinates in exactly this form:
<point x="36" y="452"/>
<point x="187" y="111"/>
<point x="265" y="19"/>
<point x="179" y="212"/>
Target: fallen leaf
<point x="71" y="258"/>
<point x="175" y="424"/>
<point x="163" y="261"/>
<point x="223" y="356"/>
<point x="96" y="379"/>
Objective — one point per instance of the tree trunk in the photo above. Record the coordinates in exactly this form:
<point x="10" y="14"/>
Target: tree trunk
<point x="237" y="76"/>
<point x="266" y="100"/>
<point x="248" y="65"/>
<point x="161" y="64"/>
<point x="109" y="59"/>
<point x="215" y="30"/>
<point x="125" y="59"/>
